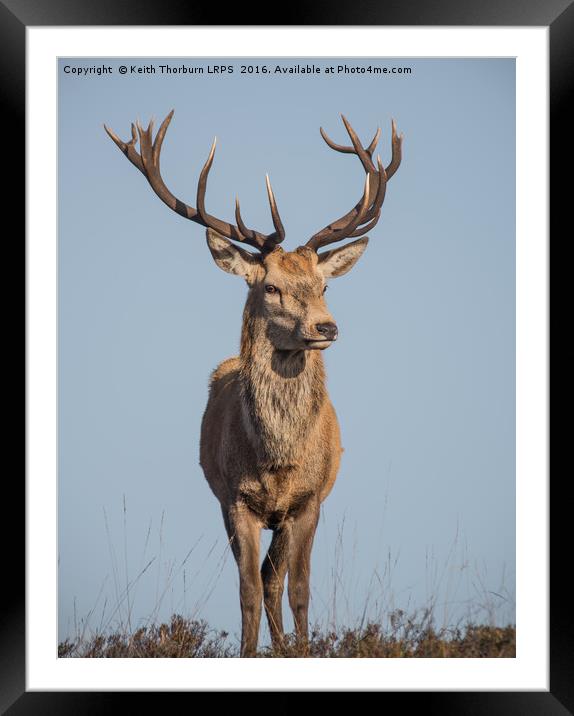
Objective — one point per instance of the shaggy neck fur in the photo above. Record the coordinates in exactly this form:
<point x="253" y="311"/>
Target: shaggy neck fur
<point x="282" y="394"/>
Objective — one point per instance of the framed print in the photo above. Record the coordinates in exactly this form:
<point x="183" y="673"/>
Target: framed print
<point x="439" y="518"/>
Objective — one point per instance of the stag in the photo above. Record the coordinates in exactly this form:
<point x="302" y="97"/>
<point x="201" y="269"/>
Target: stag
<point x="270" y="443"/>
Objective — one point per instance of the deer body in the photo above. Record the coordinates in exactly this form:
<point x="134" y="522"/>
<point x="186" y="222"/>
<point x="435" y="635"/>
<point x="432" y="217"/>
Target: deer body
<point x="283" y="495"/>
<point x="270" y="444"/>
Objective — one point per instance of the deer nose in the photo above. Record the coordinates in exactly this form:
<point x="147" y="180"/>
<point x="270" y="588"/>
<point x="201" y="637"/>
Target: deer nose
<point x="329" y="330"/>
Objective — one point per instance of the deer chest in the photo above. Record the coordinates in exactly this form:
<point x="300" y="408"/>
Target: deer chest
<point x="276" y="496"/>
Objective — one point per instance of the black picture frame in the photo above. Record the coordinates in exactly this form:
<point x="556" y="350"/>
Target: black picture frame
<point x="558" y="15"/>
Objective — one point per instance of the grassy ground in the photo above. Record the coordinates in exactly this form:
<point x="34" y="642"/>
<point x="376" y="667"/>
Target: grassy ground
<point x="183" y="638"/>
<point x="461" y="619"/>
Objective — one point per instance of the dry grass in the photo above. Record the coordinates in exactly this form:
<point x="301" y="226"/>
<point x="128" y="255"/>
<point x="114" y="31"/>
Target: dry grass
<point x="184" y="638"/>
<point x="371" y="642"/>
<point x="181" y="638"/>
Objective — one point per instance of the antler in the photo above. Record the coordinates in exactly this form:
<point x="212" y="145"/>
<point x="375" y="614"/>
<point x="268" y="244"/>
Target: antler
<point x="147" y="161"/>
<point x="366" y="213"/>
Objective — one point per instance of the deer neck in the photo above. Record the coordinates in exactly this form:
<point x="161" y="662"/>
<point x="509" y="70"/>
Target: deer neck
<point x="282" y="395"/>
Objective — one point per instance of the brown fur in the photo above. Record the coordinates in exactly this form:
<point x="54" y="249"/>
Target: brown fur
<point x="270" y="445"/>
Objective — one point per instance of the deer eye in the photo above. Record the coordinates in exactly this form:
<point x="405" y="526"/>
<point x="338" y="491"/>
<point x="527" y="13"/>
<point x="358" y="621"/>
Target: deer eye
<point x="325" y="288"/>
<point x="271" y="289"/>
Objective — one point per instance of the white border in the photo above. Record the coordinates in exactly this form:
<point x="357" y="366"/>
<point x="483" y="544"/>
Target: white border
<point x="530" y="670"/>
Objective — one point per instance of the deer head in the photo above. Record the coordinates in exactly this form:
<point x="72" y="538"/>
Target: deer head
<point x="286" y="288"/>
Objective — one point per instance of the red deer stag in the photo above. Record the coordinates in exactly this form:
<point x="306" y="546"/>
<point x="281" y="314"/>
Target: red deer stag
<point x="270" y="445"/>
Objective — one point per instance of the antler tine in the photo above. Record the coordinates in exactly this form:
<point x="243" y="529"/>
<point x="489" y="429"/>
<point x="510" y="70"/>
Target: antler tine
<point x="364" y="229"/>
<point x="368" y="210"/>
<point x="397" y="144"/>
<point x="333" y="145"/>
<point x="202" y="185"/>
<point x="159" y="137"/>
<point x="146" y="147"/>
<point x="350" y="150"/>
<point x="358" y="147"/>
<point x="374" y="142"/>
<point x="279" y="230"/>
<point x="127" y="147"/>
<point x="244" y="230"/>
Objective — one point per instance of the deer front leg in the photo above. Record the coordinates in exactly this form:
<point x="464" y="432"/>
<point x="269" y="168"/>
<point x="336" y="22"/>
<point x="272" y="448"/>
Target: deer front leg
<point x="273" y="573"/>
<point x="302" y="534"/>
<point x="244" y="534"/>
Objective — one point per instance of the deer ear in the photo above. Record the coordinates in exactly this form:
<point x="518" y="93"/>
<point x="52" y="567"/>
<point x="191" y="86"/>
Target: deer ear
<point x="232" y="258"/>
<point x="338" y="261"/>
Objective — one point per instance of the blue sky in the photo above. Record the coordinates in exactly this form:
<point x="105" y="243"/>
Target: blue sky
<point x="422" y="376"/>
